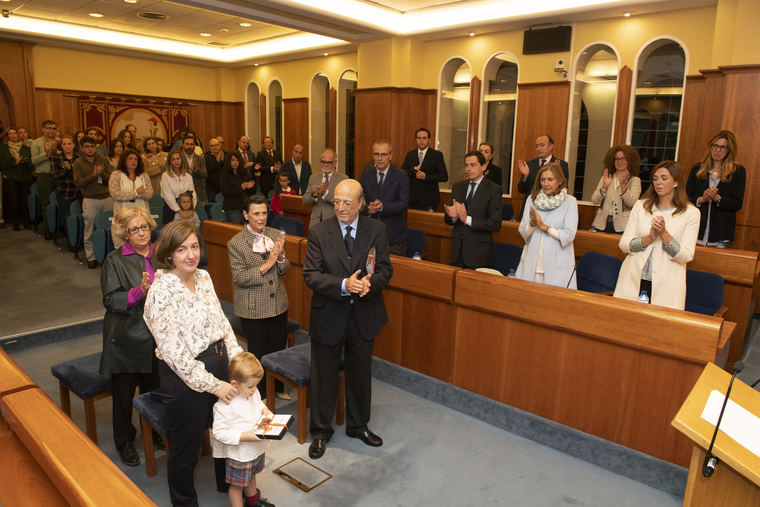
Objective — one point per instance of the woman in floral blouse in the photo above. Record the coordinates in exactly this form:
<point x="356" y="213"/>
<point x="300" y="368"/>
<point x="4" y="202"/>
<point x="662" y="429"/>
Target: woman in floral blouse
<point x="194" y="341"/>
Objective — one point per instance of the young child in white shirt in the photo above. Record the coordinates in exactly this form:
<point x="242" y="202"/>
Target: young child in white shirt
<point x="234" y="431"/>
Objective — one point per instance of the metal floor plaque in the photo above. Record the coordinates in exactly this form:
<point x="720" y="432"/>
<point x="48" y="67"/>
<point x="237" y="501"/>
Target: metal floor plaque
<point x="302" y="474"/>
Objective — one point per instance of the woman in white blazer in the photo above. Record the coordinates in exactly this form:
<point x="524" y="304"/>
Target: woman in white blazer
<point x="659" y="239"/>
<point x="548" y="227"/>
<point x="618" y="189"/>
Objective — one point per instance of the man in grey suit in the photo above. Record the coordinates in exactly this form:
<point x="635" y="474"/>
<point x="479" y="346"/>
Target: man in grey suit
<point x="195" y="165"/>
<point x="321" y="188"/>
<point x="475" y="213"/>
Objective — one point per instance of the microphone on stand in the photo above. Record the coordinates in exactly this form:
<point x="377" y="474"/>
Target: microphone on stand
<point x="708" y="467"/>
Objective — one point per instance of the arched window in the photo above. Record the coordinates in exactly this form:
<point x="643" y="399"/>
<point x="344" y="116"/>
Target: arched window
<point x="499" y="105"/>
<point x="591" y="125"/>
<point x="346" y="115"/>
<point x="274" y="114"/>
<point x="660" y="77"/>
<point x="253" y="115"/>
<point x="453" y="114"/>
<point x="319" y="119"/>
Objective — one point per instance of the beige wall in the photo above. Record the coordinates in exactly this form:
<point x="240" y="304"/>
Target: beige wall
<point x="69" y="69"/>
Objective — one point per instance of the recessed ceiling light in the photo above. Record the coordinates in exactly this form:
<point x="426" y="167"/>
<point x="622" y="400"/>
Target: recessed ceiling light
<point x="325" y="54"/>
<point x="205" y="34"/>
<point x="131" y="1"/>
<point x="96" y="15"/>
<point x="255" y="64"/>
<point x="471" y="34"/>
<point x="246" y="25"/>
<point x="627" y="14"/>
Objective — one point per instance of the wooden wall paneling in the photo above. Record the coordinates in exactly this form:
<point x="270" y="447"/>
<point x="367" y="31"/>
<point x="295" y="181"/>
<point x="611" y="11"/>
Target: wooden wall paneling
<point x="333" y="120"/>
<point x="59" y="106"/>
<point x="473" y="134"/>
<point x="622" y="105"/>
<point x="216" y="235"/>
<point x="541" y="109"/>
<point x="393" y="114"/>
<point x="18" y="83"/>
<point x="296" y="119"/>
<point x="428" y="331"/>
<point x="388" y="344"/>
<point x="263" y="120"/>
<point x="293" y="279"/>
<point x="212" y="119"/>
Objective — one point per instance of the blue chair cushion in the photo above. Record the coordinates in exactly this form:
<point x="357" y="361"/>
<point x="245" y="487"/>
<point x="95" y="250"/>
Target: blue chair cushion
<point x="82" y="377"/>
<point x="153" y="410"/>
<point x="293" y="363"/>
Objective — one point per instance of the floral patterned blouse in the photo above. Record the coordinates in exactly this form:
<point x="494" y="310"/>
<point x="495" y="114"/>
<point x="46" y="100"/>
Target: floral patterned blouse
<point x="185" y="324"/>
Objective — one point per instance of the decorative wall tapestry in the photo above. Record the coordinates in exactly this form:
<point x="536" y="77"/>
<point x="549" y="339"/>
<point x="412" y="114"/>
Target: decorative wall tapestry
<point x="152" y="118"/>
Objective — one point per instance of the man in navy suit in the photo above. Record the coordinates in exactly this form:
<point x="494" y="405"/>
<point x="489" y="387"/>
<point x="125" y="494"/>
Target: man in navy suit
<point x="475" y="213"/>
<point x="426" y="168"/>
<point x="270" y="162"/>
<point x="386" y="190"/>
<point x="347" y="312"/>
<point x="544" y="147"/>
<point x="299" y="171"/>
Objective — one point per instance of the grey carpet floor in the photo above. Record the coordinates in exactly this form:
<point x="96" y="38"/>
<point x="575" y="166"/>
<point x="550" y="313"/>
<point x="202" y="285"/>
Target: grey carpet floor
<point x="432" y="456"/>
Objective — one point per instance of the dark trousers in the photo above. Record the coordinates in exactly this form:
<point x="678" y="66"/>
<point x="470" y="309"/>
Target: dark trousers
<point x="15" y="207"/>
<point x="265" y="336"/>
<point x="398" y="248"/>
<point x="45" y="185"/>
<point x="168" y="214"/>
<point x="233" y="216"/>
<point x="189" y="413"/>
<point x="610" y="227"/>
<point x="325" y="366"/>
<point x="65" y="205"/>
<point x="123" y="387"/>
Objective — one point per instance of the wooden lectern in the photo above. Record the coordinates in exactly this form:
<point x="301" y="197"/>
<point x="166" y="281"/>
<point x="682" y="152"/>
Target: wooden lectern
<point x="736" y="480"/>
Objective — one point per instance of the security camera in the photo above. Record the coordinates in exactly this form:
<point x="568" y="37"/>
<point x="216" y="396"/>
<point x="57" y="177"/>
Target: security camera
<point x="559" y="65"/>
<point x="6" y="14"/>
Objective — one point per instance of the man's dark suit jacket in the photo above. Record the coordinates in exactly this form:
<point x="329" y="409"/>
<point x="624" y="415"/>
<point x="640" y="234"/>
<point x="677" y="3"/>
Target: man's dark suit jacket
<point x="424" y="194"/>
<point x="214" y="169"/>
<point x="526" y="187"/>
<point x="394" y="194"/>
<point x="475" y="242"/>
<point x="267" y="176"/>
<point x="494" y="173"/>
<point x="301" y="185"/>
<point x="327" y="264"/>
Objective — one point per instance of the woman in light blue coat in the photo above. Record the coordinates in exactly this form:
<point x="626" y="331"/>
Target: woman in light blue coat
<point x="548" y="227"/>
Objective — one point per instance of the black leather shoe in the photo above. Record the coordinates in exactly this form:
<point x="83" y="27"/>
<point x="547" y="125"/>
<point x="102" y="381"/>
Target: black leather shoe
<point x="367" y="437"/>
<point x="129" y="455"/>
<point x="317" y="448"/>
<point x="48" y="236"/>
<point x="92" y="264"/>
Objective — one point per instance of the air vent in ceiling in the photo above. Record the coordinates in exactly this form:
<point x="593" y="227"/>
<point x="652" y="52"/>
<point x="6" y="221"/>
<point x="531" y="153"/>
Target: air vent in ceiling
<point x="157" y="16"/>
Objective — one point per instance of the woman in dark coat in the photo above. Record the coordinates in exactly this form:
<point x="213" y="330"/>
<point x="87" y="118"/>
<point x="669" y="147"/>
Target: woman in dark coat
<point x="128" y="346"/>
<point x="17" y="168"/>
<point x="716" y="187"/>
<point x="235" y="184"/>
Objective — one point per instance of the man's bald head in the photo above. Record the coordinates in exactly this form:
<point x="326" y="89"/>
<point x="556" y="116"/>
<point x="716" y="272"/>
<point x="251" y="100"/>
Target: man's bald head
<point x="348" y="200"/>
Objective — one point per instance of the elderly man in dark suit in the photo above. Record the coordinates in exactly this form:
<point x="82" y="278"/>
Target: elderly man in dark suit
<point x="475" y="213"/>
<point x="426" y="168"/>
<point x="299" y="171"/>
<point x="347" y="312"/>
<point x="270" y="161"/>
<point x="529" y="169"/>
<point x="386" y="189"/>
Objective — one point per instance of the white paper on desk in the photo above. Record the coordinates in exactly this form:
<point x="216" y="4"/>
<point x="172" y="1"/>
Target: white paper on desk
<point x="738" y="423"/>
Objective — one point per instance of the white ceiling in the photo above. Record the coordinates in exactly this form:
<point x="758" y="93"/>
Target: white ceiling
<point x="308" y="26"/>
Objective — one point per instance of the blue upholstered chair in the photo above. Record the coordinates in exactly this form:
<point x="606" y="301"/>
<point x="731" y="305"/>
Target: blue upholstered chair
<point x="704" y="293"/>
<point x="598" y="273"/>
<point x="506" y="257"/>
<point x="81" y="377"/>
<point x="34" y="204"/>
<point x="415" y="242"/>
<point x="54" y="217"/>
<point x="102" y="242"/>
<point x="292" y="226"/>
<point x="216" y="212"/>
<point x="153" y="417"/>
<point x="292" y="366"/>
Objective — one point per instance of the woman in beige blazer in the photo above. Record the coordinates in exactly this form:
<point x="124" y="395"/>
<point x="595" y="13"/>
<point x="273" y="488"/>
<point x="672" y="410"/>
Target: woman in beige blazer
<point x="660" y="240"/>
<point x="617" y="190"/>
<point x="257" y="261"/>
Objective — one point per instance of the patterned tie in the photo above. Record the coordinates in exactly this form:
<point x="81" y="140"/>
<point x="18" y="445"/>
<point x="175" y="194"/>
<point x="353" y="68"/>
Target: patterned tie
<point x="245" y="157"/>
<point x="380" y="182"/>
<point x="349" y="241"/>
<point x="468" y="199"/>
<point x="421" y="156"/>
